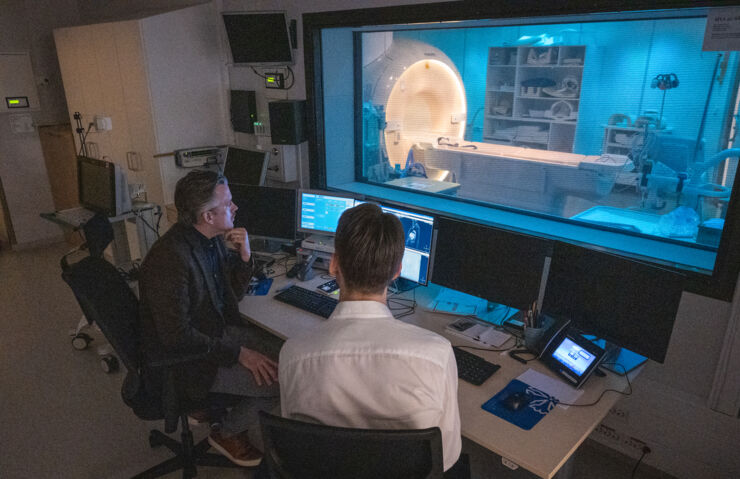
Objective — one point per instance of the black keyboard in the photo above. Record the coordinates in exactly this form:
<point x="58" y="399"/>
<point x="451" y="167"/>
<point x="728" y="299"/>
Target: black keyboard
<point x="308" y="300"/>
<point x="473" y="369"/>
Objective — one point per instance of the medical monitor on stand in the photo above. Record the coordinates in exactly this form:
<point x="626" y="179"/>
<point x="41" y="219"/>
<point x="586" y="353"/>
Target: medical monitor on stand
<point x="626" y="303"/>
<point x="246" y="167"/>
<point x="102" y="186"/>
<point x="318" y="215"/>
<point x="497" y="265"/>
<point x="418" y="230"/>
<point x="267" y="213"/>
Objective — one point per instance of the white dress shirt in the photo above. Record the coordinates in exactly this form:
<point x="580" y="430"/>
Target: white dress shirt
<point x="365" y="369"/>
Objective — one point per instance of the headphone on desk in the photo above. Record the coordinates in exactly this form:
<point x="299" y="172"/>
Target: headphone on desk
<point x="665" y="81"/>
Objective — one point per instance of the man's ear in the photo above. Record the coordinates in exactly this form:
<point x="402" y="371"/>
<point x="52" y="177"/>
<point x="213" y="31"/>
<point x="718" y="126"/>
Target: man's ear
<point x="333" y="265"/>
<point x="398" y="271"/>
<point x="207" y="216"/>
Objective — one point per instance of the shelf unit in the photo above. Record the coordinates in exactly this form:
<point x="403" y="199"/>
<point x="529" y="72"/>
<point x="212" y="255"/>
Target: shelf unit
<point x="619" y="140"/>
<point x="528" y="116"/>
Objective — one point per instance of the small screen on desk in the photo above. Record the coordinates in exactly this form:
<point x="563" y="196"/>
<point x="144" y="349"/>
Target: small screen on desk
<point x="573" y="356"/>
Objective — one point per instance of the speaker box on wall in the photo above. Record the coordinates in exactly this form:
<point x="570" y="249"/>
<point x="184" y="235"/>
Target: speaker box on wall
<point x="243" y="110"/>
<point x="288" y="122"/>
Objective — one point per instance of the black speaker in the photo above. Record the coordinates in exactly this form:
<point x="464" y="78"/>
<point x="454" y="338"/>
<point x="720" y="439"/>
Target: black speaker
<point x="243" y="110"/>
<point x="288" y="122"/>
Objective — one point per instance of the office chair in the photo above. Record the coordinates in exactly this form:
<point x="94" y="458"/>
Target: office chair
<point x="149" y="390"/>
<point x="296" y="449"/>
<point x="98" y="234"/>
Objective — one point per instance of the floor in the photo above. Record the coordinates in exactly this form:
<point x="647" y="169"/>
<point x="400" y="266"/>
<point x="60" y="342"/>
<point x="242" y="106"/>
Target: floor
<point x="62" y="416"/>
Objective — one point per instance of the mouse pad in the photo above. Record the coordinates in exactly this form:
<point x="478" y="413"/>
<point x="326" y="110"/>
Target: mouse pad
<point x="261" y="288"/>
<point x="540" y="404"/>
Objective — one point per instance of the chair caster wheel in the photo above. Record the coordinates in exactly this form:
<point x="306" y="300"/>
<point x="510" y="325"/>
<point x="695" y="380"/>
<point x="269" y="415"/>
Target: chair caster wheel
<point x="109" y="363"/>
<point x="155" y="440"/>
<point x="80" y="341"/>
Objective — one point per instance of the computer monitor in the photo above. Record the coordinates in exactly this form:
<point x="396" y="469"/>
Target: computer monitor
<point x="258" y="38"/>
<point x="418" y="230"/>
<point x="628" y="303"/>
<point x="245" y="167"/>
<point x="267" y="213"/>
<point x="497" y="265"/>
<point x="319" y="211"/>
<point x="102" y="186"/>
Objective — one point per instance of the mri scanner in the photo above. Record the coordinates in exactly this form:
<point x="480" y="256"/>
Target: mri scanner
<point x="415" y="110"/>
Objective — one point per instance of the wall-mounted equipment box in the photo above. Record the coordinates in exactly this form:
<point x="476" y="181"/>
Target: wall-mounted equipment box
<point x="17" y="84"/>
<point x="243" y="110"/>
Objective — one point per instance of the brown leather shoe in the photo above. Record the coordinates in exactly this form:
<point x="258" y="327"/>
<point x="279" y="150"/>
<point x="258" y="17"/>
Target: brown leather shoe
<point x="237" y="448"/>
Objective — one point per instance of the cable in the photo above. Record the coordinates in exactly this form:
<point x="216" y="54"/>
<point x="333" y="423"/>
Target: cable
<point x="606" y="390"/>
<point x="292" y="78"/>
<point x="83" y="139"/>
<point x="146" y="223"/>
<point x="258" y="73"/>
<point x="645" y="450"/>
<point x="495" y="350"/>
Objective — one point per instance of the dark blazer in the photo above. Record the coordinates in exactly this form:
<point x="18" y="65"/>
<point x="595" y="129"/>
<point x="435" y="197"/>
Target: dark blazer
<point x="178" y="313"/>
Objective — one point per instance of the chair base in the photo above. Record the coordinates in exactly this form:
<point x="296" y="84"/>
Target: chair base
<point x="186" y="458"/>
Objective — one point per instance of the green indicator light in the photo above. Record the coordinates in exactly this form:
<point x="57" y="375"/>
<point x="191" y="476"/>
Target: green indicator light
<point x="271" y="79"/>
<point x="14" y="102"/>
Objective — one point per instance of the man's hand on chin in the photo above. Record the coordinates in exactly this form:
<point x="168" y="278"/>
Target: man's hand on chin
<point x="240" y="238"/>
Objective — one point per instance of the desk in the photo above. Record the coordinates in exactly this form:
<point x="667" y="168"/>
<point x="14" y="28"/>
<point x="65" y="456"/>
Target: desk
<point x="121" y="245"/>
<point x="542" y="450"/>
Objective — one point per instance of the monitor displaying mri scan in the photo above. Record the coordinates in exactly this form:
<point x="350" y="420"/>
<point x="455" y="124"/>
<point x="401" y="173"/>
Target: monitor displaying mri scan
<point x="418" y="229"/>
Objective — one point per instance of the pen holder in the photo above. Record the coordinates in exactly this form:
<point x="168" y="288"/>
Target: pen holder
<point x="533" y="336"/>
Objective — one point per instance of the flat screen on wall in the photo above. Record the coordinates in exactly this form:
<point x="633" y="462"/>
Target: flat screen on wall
<point x="258" y="38"/>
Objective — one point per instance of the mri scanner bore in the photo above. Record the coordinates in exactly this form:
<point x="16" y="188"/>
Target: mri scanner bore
<point x="543" y="139"/>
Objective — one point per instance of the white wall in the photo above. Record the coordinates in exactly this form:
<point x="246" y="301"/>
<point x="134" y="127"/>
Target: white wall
<point x="26" y="25"/>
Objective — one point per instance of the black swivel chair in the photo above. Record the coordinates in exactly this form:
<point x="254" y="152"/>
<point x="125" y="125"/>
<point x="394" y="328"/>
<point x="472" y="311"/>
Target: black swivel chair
<point x="106" y="299"/>
<point x="296" y="449"/>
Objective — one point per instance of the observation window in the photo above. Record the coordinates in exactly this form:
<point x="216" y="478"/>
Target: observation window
<point x="611" y="130"/>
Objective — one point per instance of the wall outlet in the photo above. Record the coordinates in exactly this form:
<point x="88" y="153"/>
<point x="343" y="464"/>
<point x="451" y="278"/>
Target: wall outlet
<point x="634" y="443"/>
<point x="509" y="463"/>
<point x="608" y="433"/>
<point x="619" y="414"/>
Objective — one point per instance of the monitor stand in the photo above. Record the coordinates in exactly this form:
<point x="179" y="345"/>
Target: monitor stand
<point x="401" y="285"/>
<point x="616" y="355"/>
<point x="264" y="245"/>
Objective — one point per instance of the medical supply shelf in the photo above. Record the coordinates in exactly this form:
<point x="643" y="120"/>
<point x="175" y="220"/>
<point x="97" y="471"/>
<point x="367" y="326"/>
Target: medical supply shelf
<point x="544" y="117"/>
<point x="620" y="140"/>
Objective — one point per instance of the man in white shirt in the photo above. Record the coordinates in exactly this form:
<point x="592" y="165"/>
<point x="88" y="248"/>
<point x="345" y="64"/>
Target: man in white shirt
<point x="363" y="368"/>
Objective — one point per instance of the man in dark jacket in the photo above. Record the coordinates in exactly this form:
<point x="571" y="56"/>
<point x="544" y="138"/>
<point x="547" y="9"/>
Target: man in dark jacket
<point x="190" y="288"/>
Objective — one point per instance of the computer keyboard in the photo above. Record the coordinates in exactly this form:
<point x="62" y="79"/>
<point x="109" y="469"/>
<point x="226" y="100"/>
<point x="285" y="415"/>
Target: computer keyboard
<point x="308" y="300"/>
<point x="471" y="368"/>
<point x="75" y="216"/>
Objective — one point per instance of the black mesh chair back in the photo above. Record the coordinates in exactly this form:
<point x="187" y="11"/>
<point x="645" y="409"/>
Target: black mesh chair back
<point x="296" y="449"/>
<point x="106" y="299"/>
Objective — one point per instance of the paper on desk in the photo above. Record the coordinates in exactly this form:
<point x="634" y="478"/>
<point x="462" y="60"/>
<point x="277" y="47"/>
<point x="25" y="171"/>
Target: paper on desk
<point x="455" y="302"/>
<point x="553" y="387"/>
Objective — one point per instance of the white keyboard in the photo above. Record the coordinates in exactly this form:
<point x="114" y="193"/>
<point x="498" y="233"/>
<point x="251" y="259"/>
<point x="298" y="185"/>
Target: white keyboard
<point x="75" y="216"/>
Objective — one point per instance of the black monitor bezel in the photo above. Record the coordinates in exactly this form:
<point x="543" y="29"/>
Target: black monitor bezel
<point x="537" y="251"/>
<point x="263" y="172"/>
<point x="110" y="168"/>
<point x="579" y="267"/>
<point x="235" y="191"/>
<point x="285" y="40"/>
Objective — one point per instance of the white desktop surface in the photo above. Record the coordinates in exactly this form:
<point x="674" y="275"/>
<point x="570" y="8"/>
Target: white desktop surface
<point x="543" y="450"/>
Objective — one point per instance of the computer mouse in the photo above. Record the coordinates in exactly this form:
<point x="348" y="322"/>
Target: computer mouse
<point x="516" y="401"/>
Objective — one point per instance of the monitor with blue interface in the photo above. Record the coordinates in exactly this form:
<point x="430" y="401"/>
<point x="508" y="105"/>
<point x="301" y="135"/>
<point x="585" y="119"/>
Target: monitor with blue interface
<point x="319" y="211"/>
